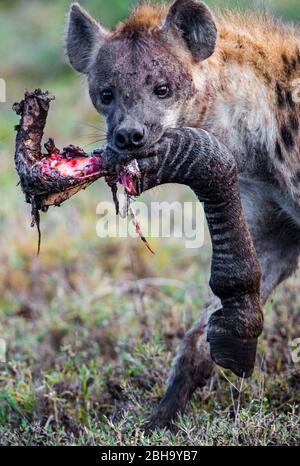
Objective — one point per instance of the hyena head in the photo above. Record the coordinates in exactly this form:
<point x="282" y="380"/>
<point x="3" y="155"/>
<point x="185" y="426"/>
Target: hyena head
<point x="139" y="74"/>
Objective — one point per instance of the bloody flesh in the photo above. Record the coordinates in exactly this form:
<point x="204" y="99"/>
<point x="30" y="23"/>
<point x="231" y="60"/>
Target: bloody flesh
<point x="50" y="178"/>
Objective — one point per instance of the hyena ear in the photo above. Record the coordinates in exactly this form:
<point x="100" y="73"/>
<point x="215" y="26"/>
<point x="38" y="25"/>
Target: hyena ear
<point x="84" y="38"/>
<point x="193" y="21"/>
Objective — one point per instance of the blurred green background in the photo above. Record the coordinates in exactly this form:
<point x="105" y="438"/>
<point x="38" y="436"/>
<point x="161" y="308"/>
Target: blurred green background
<point x="80" y="321"/>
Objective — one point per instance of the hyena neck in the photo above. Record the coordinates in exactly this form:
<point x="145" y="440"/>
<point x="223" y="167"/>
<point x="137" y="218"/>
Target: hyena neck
<point x="244" y="92"/>
<point x="232" y="101"/>
<point x="235" y="103"/>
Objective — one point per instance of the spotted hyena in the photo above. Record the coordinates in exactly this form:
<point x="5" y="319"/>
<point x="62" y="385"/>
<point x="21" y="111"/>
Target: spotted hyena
<point x="233" y="79"/>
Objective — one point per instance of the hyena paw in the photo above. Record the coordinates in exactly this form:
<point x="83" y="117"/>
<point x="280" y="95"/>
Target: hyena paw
<point x="151" y="424"/>
<point x="163" y="415"/>
<point x="156" y="421"/>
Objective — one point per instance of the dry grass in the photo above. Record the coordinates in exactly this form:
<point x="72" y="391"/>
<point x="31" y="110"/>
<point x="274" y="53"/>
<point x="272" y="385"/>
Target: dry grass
<point x="88" y="351"/>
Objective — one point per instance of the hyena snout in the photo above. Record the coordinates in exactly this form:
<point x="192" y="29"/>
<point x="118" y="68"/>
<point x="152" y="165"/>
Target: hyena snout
<point x="130" y="138"/>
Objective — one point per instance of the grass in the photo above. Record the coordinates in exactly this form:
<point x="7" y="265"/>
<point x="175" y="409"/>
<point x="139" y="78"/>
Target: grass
<point x="89" y="351"/>
<point x="89" y="340"/>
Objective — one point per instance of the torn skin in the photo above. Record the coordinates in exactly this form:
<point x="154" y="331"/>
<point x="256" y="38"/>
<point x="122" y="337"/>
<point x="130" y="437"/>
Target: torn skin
<point x="50" y="178"/>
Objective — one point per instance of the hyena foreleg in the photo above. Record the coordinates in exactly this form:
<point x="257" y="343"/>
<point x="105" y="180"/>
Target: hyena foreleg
<point x="192" y="368"/>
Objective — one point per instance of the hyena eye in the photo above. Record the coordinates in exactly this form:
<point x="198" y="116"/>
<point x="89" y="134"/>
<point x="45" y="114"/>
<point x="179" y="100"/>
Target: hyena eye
<point x="106" y="96"/>
<point x="163" y="91"/>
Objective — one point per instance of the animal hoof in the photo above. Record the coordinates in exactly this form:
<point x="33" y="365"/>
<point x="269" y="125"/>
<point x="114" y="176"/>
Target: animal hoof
<point x="234" y="353"/>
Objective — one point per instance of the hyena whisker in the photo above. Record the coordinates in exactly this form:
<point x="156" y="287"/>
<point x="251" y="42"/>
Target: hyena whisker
<point x="94" y="142"/>
<point x="99" y="129"/>
<point x="92" y="135"/>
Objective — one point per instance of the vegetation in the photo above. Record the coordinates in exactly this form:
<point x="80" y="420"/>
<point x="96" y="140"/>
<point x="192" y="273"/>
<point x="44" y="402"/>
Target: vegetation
<point x="92" y="324"/>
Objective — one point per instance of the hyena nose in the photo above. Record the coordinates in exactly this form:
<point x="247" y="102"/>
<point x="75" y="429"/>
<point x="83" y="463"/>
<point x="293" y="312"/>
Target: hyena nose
<point x="131" y="138"/>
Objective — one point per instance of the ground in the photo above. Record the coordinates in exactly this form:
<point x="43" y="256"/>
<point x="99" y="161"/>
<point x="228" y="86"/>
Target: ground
<point x="91" y="332"/>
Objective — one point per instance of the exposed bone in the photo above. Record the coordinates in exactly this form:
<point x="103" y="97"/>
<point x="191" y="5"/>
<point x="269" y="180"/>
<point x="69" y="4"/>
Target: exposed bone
<point x="50" y="178"/>
<point x="53" y="177"/>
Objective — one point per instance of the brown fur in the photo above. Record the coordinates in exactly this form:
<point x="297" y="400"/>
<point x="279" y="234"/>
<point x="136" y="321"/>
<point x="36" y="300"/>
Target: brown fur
<point x="264" y="43"/>
<point x="271" y="47"/>
<point x="145" y="16"/>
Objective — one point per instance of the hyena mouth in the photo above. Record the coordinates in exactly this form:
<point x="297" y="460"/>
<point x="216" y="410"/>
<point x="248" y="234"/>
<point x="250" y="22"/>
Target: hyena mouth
<point x="49" y="179"/>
